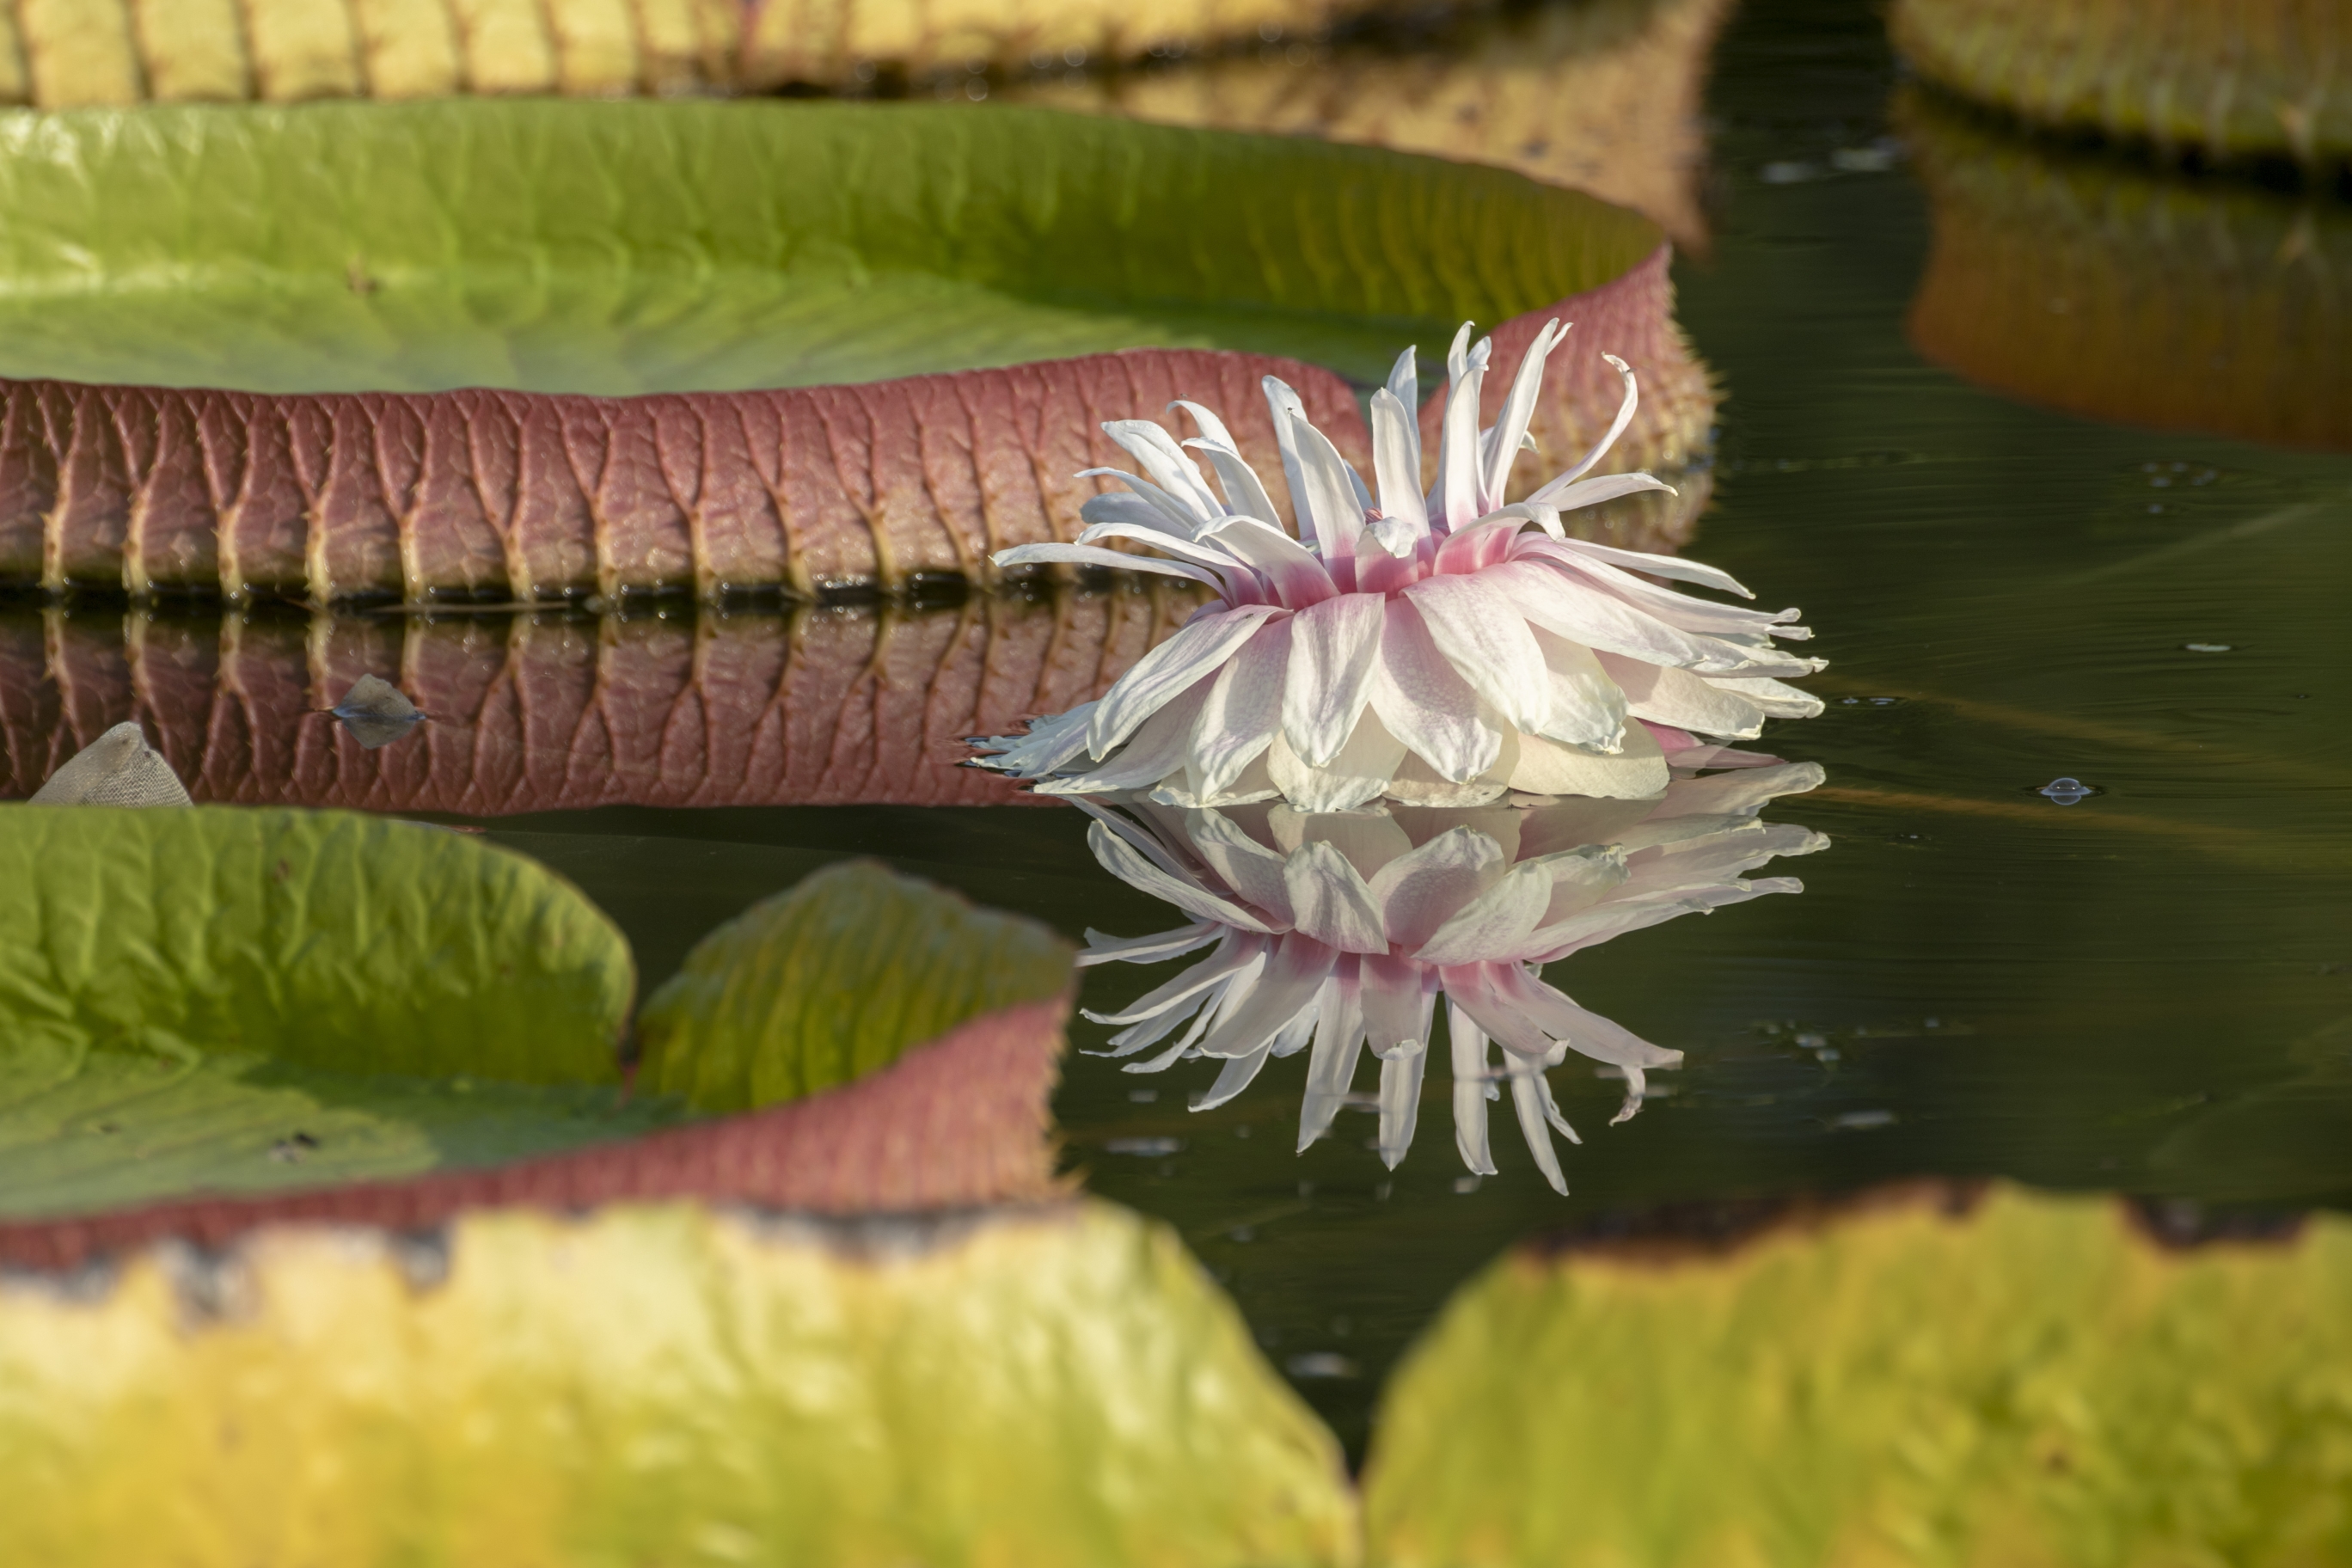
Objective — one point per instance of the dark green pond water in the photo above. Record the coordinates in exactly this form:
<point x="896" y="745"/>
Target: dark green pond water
<point x="2149" y="991"/>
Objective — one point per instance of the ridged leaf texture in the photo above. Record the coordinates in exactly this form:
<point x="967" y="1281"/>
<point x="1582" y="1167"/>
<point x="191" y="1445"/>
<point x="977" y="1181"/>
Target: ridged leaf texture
<point x="833" y="981"/>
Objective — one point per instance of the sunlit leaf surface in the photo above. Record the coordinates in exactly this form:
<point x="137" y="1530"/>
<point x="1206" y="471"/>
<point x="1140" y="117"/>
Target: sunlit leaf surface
<point x="674" y="246"/>
<point x="210" y="998"/>
<point x="833" y="981"/>
<point x="2036" y="1381"/>
<point x="1060" y="1388"/>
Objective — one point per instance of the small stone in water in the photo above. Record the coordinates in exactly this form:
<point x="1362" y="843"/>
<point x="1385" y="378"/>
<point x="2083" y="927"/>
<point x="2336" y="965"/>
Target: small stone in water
<point x="2066" y="792"/>
<point x="376" y="712"/>
<point x="1319" y="1363"/>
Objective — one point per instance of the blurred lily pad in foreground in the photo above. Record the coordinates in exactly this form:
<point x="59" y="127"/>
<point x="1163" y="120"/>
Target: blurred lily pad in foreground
<point x="660" y="1383"/>
<point x="2027" y="1379"/>
<point x="2106" y="287"/>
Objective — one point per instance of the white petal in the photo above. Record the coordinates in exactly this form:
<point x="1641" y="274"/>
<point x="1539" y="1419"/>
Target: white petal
<point x="1482" y="634"/>
<point x="1330" y="901"/>
<point x="1283" y="403"/>
<point x="1401" y="1075"/>
<point x="1234" y="1078"/>
<point x="1535" y="1109"/>
<point x="1120" y="860"/>
<point x="1616" y="427"/>
<point x="1369" y="839"/>
<point x="1201" y="646"/>
<point x="1293" y="975"/>
<point x="1253" y="871"/>
<point x="1242" y="711"/>
<point x="1334" y="646"/>
<point x="1287" y="567"/>
<point x="1244" y="495"/>
<point x="1588" y="706"/>
<point x="1471" y="1076"/>
<point x="1592" y="492"/>
<point x="1331" y="503"/>
<point x="1742" y="793"/>
<point x="1636" y="771"/>
<point x="1103" y="949"/>
<point x="1420" y="891"/>
<point x="1496" y="923"/>
<point x="1357" y="776"/>
<point x="1165" y="461"/>
<point x="1511" y="426"/>
<point x="1688" y="702"/>
<point x="1396" y="464"/>
<point x="1671" y="567"/>
<point x="1339" y="1046"/>
<point x="1425" y="704"/>
<point x="1092" y="556"/>
<point x="1237" y="959"/>
<point x="1778" y="700"/>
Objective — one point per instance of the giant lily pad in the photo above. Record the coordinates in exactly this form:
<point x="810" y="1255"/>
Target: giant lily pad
<point x="2030" y="1381"/>
<point x="930" y="1354"/>
<point x="2230" y="80"/>
<point x="833" y="981"/>
<point x="704" y="246"/>
<point x="661" y="1383"/>
<point x="202" y="998"/>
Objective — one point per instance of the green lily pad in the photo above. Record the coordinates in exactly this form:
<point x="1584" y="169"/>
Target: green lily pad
<point x="2034" y="1382"/>
<point x="833" y="981"/>
<point x="1059" y="1388"/>
<point x="209" y="998"/>
<point x="618" y="248"/>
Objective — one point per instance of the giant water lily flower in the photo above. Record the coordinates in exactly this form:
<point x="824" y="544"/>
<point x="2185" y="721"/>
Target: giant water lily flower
<point x="1344" y="930"/>
<point x="1436" y="650"/>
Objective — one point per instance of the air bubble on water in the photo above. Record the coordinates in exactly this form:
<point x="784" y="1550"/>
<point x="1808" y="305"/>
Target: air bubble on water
<point x="2066" y="792"/>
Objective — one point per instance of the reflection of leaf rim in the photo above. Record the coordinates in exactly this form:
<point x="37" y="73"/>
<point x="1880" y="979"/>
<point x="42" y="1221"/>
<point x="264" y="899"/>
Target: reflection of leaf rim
<point x="2156" y="329"/>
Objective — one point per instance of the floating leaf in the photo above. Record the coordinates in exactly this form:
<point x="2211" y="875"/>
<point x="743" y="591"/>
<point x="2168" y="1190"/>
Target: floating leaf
<point x="181" y="992"/>
<point x="2033" y="1380"/>
<point x="121" y="51"/>
<point x="1606" y="95"/>
<point x="1056" y="1387"/>
<point x="118" y="768"/>
<point x="618" y="248"/>
<point x="2233" y="78"/>
<point x="833" y="981"/>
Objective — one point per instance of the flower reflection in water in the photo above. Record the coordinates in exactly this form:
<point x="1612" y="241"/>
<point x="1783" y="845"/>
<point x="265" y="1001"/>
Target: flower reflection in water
<point x="1436" y="650"/>
<point x="1340" y="931"/>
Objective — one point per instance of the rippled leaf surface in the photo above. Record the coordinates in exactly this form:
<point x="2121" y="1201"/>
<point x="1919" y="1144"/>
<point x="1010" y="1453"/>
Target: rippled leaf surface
<point x="672" y="245"/>
<point x="2037" y="1382"/>
<point x="210" y="998"/>
<point x="834" y="980"/>
<point x="664" y="1384"/>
